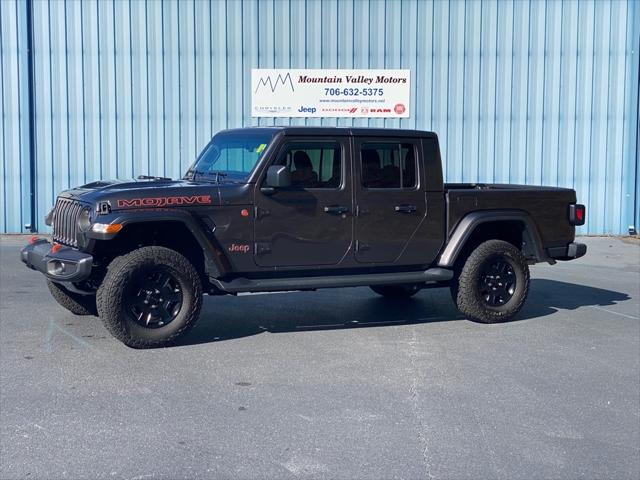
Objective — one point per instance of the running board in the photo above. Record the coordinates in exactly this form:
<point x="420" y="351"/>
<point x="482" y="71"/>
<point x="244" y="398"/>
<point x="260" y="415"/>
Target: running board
<point x="240" y="285"/>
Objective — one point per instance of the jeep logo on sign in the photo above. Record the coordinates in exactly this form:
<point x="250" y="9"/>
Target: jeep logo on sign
<point x="304" y="109"/>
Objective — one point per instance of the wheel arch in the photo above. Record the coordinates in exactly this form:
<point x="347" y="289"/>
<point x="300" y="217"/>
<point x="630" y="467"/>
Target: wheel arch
<point x="173" y="229"/>
<point x="514" y="226"/>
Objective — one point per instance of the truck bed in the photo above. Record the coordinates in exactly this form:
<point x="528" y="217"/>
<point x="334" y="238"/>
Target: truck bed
<point x="547" y="206"/>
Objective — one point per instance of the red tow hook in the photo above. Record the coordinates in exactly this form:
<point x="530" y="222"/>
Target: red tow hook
<point x="33" y="239"/>
<point x="55" y="247"/>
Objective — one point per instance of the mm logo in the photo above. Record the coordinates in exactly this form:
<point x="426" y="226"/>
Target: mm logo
<point x="273" y="85"/>
<point x="165" y="201"/>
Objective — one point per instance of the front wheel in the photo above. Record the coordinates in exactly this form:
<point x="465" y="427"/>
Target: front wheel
<point x="150" y="297"/>
<point x="74" y="302"/>
<point x="493" y="283"/>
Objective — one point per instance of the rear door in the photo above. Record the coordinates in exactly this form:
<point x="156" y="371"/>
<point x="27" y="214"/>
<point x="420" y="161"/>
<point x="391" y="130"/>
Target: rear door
<point x="390" y="199"/>
<point x="311" y="222"/>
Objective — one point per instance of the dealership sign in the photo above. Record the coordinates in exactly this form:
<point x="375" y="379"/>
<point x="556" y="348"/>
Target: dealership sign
<point x="330" y="93"/>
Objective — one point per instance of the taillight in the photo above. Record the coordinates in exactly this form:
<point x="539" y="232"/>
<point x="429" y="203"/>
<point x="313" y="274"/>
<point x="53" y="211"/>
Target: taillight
<point x="577" y="214"/>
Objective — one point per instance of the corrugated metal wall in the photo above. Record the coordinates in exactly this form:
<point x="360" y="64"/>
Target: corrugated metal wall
<point x="14" y="121"/>
<point x="539" y="92"/>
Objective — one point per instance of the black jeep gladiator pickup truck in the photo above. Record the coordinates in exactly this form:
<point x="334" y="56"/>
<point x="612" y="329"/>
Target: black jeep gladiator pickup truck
<point x="298" y="208"/>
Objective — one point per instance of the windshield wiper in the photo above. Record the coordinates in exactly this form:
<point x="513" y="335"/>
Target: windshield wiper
<point x="151" y="177"/>
<point x="218" y="174"/>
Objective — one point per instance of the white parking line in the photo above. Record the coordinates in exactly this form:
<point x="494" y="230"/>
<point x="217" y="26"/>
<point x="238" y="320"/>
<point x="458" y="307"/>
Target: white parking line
<point x="615" y="313"/>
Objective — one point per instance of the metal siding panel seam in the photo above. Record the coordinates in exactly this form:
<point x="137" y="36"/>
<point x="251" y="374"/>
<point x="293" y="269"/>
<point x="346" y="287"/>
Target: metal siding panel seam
<point x="615" y="112"/>
<point x="634" y="120"/>
<point x="5" y="58"/>
<point x="3" y="118"/>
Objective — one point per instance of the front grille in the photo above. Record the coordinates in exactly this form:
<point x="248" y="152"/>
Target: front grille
<point x="65" y="221"/>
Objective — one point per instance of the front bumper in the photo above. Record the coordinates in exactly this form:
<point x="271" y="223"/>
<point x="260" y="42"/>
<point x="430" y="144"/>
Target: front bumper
<point x="568" y="252"/>
<point x="65" y="265"/>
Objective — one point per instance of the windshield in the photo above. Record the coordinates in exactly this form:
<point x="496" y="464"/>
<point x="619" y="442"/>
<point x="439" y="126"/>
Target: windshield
<point x="230" y="156"/>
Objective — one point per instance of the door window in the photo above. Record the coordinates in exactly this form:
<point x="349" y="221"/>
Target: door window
<point x="313" y="165"/>
<point x="388" y="165"/>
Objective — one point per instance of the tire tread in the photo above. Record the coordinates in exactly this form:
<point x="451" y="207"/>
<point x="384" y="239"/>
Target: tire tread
<point x="73" y="302"/>
<point x="110" y="306"/>
<point x="463" y="291"/>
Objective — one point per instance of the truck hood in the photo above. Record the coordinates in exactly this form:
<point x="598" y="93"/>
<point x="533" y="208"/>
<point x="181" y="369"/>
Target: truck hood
<point x="127" y="194"/>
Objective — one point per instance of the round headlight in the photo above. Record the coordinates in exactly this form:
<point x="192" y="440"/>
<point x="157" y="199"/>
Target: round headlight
<point x="84" y="220"/>
<point x="48" y="218"/>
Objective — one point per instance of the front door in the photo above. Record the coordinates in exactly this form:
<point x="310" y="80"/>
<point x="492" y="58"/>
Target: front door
<point x="309" y="223"/>
<point x="390" y="200"/>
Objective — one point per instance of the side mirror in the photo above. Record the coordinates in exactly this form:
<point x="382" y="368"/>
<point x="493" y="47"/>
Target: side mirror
<point x="278" y="176"/>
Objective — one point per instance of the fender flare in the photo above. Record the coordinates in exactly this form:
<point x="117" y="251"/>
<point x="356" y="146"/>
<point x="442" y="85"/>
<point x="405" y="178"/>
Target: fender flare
<point x="216" y="264"/>
<point x="465" y="228"/>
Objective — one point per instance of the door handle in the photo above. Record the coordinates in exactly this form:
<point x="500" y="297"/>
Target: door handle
<point x="405" y="208"/>
<point x="335" y="209"/>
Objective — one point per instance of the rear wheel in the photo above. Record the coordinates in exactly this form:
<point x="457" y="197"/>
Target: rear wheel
<point x="150" y="297"/>
<point x="74" y="302"/>
<point x="396" y="291"/>
<point x="493" y="283"/>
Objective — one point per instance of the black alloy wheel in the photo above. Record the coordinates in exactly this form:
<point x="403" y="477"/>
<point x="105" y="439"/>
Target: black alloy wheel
<point x="150" y="297"/>
<point x="154" y="297"/>
<point x="492" y="283"/>
<point x="497" y="282"/>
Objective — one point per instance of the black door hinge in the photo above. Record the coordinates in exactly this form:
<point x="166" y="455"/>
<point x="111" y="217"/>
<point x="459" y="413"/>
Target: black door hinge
<point x="261" y="213"/>
<point x="361" y="246"/>
<point x="262" y="248"/>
